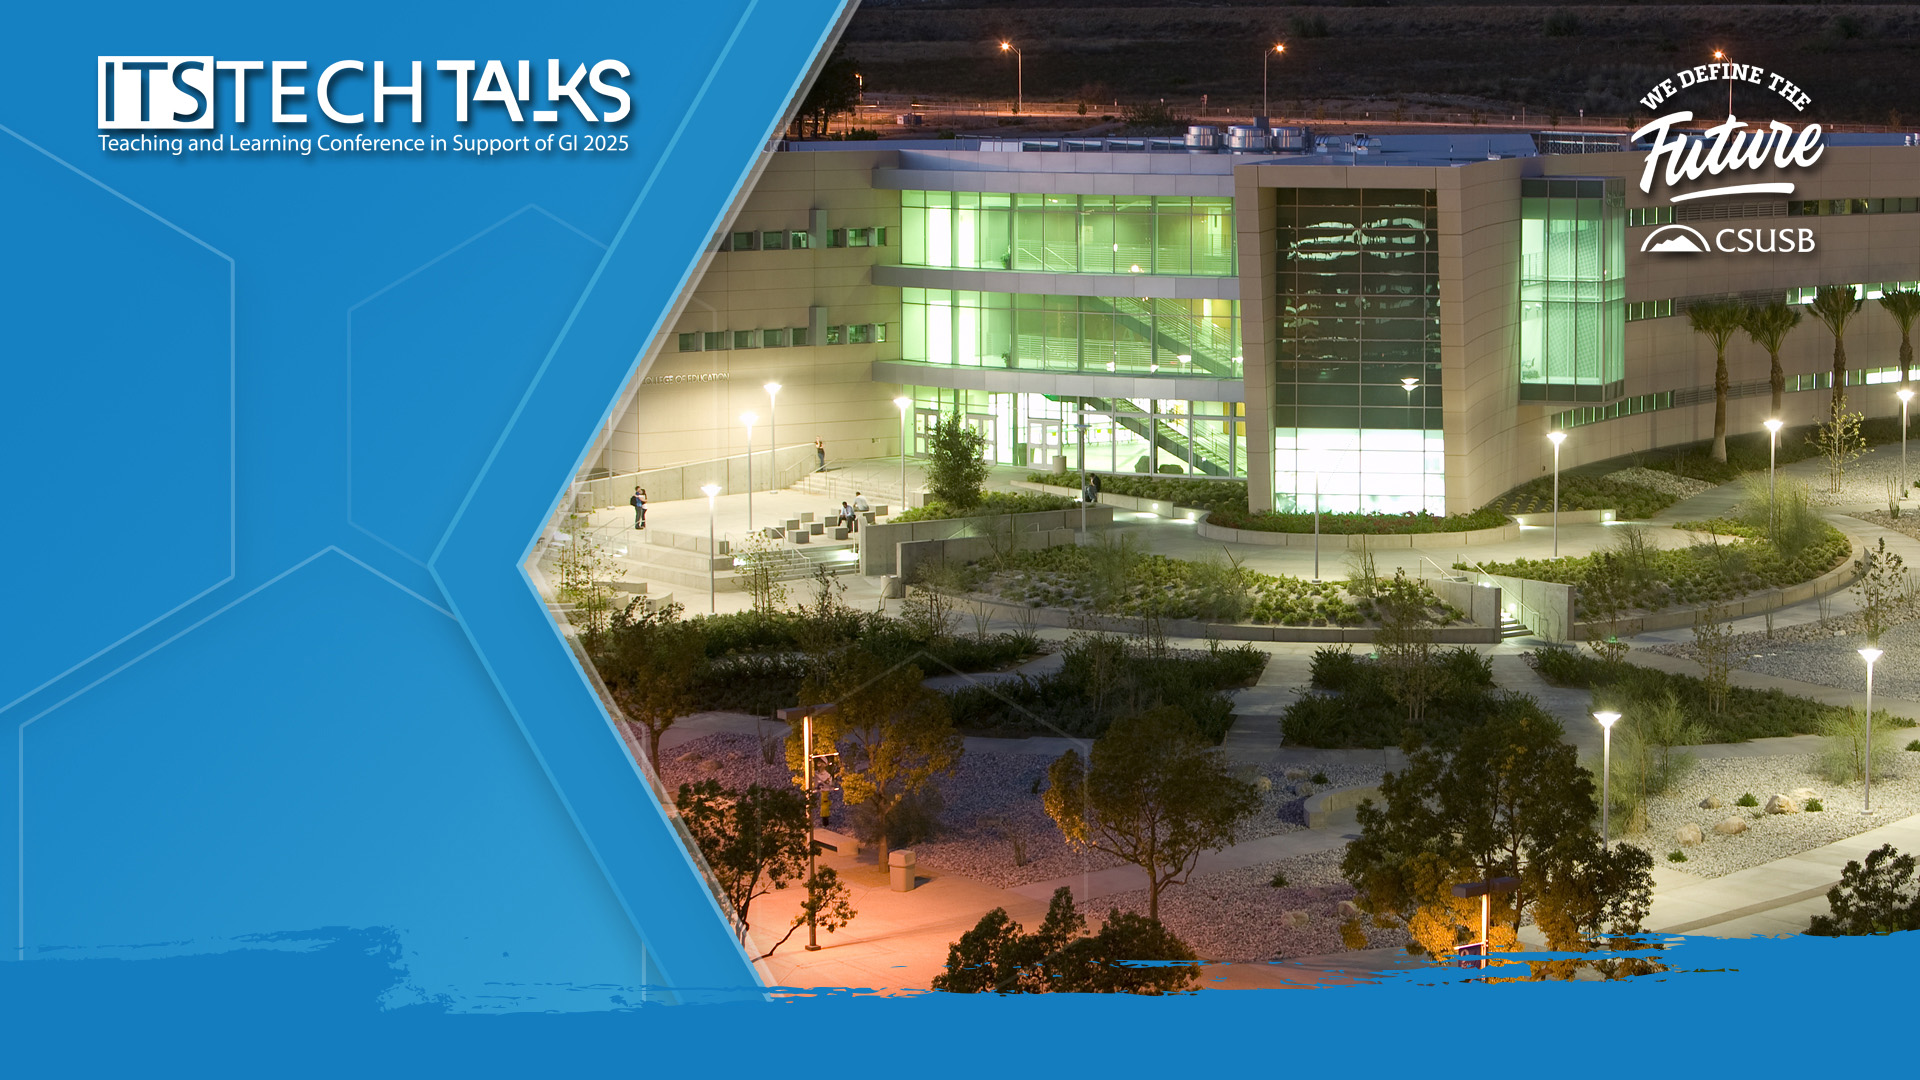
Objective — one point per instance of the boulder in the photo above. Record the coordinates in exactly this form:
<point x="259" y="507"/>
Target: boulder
<point x="1780" y="804"/>
<point x="1297" y="774"/>
<point x="1262" y="784"/>
<point x="1802" y="794"/>
<point x="1294" y="920"/>
<point x="1711" y="802"/>
<point x="709" y="766"/>
<point x="1732" y="826"/>
<point x="1303" y="789"/>
<point x="1688" y="835"/>
<point x="1349" y="910"/>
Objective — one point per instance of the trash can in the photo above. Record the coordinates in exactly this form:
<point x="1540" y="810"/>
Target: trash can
<point x="900" y="869"/>
<point x="1059" y="465"/>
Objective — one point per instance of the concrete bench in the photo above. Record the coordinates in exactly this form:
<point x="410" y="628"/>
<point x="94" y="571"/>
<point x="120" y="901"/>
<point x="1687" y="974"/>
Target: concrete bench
<point x="800" y="536"/>
<point x="791" y="524"/>
<point x="806" y="518"/>
<point x="815" y="527"/>
<point x="839" y="532"/>
<point x="840" y="843"/>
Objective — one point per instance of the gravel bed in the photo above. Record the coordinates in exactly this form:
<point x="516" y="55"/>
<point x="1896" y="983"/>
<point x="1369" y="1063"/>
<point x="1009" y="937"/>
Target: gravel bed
<point x="1863" y="481"/>
<point x="1680" y="487"/>
<point x="993" y="799"/>
<point x="1768" y="836"/>
<point x="1239" y="916"/>
<point x="1825" y="652"/>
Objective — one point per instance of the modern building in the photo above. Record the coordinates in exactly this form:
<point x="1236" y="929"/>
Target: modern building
<point x="1400" y="320"/>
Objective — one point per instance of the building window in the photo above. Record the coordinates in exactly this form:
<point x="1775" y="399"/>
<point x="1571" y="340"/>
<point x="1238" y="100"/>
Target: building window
<point x="799" y="241"/>
<point x="836" y="335"/>
<point x="879" y="331"/>
<point x="837" y="238"/>
<point x="773" y="240"/>
<point x="715" y="340"/>
<point x="798" y="335"/>
<point x="743" y="241"/>
<point x="773" y="339"/>
<point x="859" y="334"/>
<point x="859" y="237"/>
<point x="1649" y="309"/>
<point x="743" y="339"/>
<point x="1649" y="215"/>
<point x="1124" y="335"/>
<point x="879" y="238"/>
<point x="1572" y="288"/>
<point x="1087" y="234"/>
<point x="689" y="342"/>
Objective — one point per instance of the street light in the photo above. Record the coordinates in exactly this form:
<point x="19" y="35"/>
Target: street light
<point x="1316" y="527"/>
<point x="1721" y="55"/>
<point x="1484" y="890"/>
<point x="1019" y="76"/>
<point x="1607" y="720"/>
<point x="1905" y="395"/>
<point x="749" y="419"/>
<point x="1556" y="438"/>
<point x="1773" y="452"/>
<point x="713" y="549"/>
<point x="1869" y="654"/>
<point x="773" y="434"/>
<point x="1265" y="62"/>
<point x="901" y="403"/>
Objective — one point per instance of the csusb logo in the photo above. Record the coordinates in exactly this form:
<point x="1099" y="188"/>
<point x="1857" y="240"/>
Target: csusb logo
<point x="1728" y="148"/>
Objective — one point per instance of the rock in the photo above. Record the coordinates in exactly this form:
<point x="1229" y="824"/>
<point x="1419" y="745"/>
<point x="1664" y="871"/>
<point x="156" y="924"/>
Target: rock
<point x="1349" y="910"/>
<point x="1780" y="804"/>
<point x="1732" y="826"/>
<point x="1802" y="794"/>
<point x="1262" y="784"/>
<point x="710" y="766"/>
<point x="1688" y="834"/>
<point x="1303" y="790"/>
<point x="1297" y="774"/>
<point x="690" y="757"/>
<point x="1711" y="802"/>
<point x="1295" y="920"/>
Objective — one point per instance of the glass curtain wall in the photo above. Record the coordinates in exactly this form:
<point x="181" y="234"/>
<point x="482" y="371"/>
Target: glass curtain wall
<point x="1572" y="289"/>
<point x="1198" y="338"/>
<point x="1107" y="435"/>
<point x="1069" y="234"/>
<point x="1358" y="290"/>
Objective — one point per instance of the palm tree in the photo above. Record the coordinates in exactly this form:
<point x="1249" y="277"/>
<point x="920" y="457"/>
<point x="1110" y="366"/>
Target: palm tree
<point x="1835" y="304"/>
<point x="1768" y="326"/>
<point x="1904" y="306"/>
<point x="1717" y="319"/>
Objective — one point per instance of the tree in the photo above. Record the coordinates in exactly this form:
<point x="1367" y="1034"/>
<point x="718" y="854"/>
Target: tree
<point x="835" y="90"/>
<point x="1405" y="643"/>
<point x="1509" y="800"/>
<point x="1839" y="440"/>
<point x="1904" y="306"/>
<point x="893" y="735"/>
<point x="759" y="569"/>
<point x="652" y="663"/>
<point x="1768" y="326"/>
<point x="1877" y="898"/>
<point x="1153" y="793"/>
<point x="584" y="567"/>
<point x="1714" y="648"/>
<point x="1717" y="321"/>
<point x="1834" y="305"/>
<point x="1879" y="583"/>
<point x="829" y="905"/>
<point x="956" y="467"/>
<point x="995" y="957"/>
<point x="753" y="843"/>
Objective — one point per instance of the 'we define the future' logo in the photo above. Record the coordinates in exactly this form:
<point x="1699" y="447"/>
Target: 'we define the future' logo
<point x="1728" y="148"/>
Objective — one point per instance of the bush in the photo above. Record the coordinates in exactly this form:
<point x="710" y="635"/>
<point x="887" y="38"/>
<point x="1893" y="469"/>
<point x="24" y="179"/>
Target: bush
<point x="1842" y="758"/>
<point x="1584" y="493"/>
<point x="1351" y="702"/>
<point x="1349" y="524"/>
<point x="1196" y="493"/>
<point x="1319" y="778"/>
<point x="956" y="471"/>
<point x="1334" y="668"/>
<point x="1813" y="806"/>
<point x="989" y="504"/>
<point x="1746" y="800"/>
<point x="1278" y="881"/>
<point x="1676" y="856"/>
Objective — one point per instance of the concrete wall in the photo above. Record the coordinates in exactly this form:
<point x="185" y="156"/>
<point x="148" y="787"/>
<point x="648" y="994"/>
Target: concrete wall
<point x="770" y="472"/>
<point x="1546" y="608"/>
<point x="1480" y="602"/>
<point x="878" y="543"/>
<point x="914" y="554"/>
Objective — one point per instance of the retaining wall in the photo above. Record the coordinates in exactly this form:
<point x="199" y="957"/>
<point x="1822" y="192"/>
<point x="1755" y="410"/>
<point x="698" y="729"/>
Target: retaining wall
<point x="879" y="543"/>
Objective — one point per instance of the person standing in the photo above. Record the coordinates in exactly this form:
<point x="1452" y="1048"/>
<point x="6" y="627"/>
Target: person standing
<point x="639" y="502"/>
<point x="820" y="454"/>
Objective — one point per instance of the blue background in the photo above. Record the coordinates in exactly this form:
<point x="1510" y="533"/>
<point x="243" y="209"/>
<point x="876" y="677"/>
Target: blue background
<point x="295" y="748"/>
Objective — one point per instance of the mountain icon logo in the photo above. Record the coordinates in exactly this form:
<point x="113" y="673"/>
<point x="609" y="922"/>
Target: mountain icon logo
<point x="1677" y="238"/>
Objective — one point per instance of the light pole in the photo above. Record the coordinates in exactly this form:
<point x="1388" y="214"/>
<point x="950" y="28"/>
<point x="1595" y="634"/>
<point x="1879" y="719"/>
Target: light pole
<point x="1721" y="55"/>
<point x="1082" y="416"/>
<point x="1905" y="395"/>
<point x="1019" y="76"/>
<point x="1607" y="720"/>
<point x="713" y="549"/>
<point x="1484" y="890"/>
<point x="902" y="403"/>
<point x="1316" y="527"/>
<point x="1869" y="654"/>
<point x="1409" y="384"/>
<point x="773" y="435"/>
<point x="748" y="419"/>
<point x="1265" y="63"/>
<point x="1773" y="453"/>
<point x="1556" y="438"/>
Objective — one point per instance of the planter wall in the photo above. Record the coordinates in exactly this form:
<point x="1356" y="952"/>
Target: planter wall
<point x="879" y="543"/>
<point x="1196" y="628"/>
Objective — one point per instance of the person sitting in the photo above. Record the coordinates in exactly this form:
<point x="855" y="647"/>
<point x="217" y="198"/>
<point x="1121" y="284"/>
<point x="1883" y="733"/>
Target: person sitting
<point x="848" y="520"/>
<point x="861" y="507"/>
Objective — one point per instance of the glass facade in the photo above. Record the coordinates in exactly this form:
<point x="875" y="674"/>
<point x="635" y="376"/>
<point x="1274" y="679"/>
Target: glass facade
<point x="1572" y="289"/>
<point x="1069" y="234"/>
<point x="1096" y="334"/>
<point x="1359" y="296"/>
<point x="1120" y="435"/>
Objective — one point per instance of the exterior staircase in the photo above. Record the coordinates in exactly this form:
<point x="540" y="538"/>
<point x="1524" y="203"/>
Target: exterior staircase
<point x="1511" y="627"/>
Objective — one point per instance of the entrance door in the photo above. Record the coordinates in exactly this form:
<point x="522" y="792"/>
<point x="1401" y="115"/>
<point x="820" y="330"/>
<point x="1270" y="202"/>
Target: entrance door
<point x="1044" y="443"/>
<point x="923" y="422"/>
<point x="983" y="423"/>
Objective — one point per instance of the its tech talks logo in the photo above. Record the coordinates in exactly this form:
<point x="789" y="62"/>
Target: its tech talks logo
<point x="1728" y="148"/>
<point x="168" y="93"/>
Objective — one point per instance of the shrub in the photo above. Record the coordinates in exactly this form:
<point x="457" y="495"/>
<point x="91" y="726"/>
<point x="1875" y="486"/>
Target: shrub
<point x="1334" y="668"/>
<point x="1365" y="713"/>
<point x="1584" y="493"/>
<point x="1347" y="524"/>
<point x="1279" y="880"/>
<point x="1746" y="800"/>
<point x="1843" y="757"/>
<point x="1813" y="806"/>
<point x="1676" y="856"/>
<point x="1197" y="493"/>
<point x="1914" y="746"/>
<point x="1319" y="778"/>
<point x="989" y="504"/>
<point x="956" y="471"/>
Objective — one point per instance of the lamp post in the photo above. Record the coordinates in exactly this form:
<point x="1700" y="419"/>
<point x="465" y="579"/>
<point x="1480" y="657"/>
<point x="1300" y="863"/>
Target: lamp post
<point x="1607" y="720"/>
<point x="1484" y="890"/>
<point x="1265" y="63"/>
<point x="1905" y="395"/>
<point x="713" y="549"/>
<point x="1316" y="527"/>
<point x="1019" y="76"/>
<point x="1721" y="54"/>
<point x="749" y="419"/>
<point x="1869" y="654"/>
<point x="1082" y="417"/>
<point x="1773" y="453"/>
<point x="773" y="435"/>
<point x="1556" y="438"/>
<point x="902" y="404"/>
